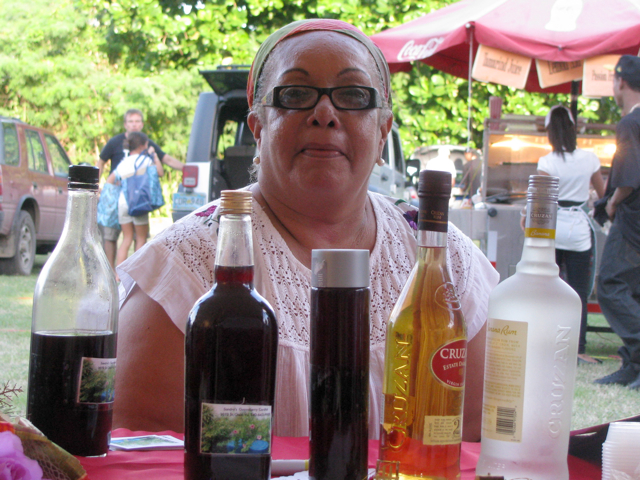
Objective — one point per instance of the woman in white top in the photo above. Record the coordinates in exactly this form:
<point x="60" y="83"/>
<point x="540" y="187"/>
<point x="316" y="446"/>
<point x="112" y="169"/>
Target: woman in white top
<point x="577" y="170"/>
<point x="140" y="157"/>
<point x="320" y="112"/>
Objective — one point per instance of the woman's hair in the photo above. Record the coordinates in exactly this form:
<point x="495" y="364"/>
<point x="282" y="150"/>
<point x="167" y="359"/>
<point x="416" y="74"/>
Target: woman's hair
<point x="135" y="140"/>
<point x="561" y="130"/>
<point x="270" y="66"/>
<point x="262" y="67"/>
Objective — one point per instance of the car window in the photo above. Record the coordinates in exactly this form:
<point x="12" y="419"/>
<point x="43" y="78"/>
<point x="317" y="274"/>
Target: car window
<point x="227" y="137"/>
<point x="35" y="151"/>
<point x="58" y="156"/>
<point x="11" y="147"/>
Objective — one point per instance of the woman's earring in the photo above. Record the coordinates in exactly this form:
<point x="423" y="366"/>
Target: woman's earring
<point x="256" y="160"/>
<point x="380" y="161"/>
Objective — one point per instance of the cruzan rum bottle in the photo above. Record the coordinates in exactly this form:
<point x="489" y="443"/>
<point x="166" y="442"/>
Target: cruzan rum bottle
<point x="531" y="355"/>
<point x="231" y="347"/>
<point x="425" y="358"/>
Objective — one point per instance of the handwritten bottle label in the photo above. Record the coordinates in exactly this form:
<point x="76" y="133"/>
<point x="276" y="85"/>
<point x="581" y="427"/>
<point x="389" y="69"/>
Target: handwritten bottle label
<point x="97" y="380"/>
<point x="231" y="429"/>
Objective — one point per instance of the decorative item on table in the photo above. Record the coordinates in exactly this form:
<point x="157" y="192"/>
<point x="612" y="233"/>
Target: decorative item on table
<point x="620" y="460"/>
<point x="26" y="454"/>
<point x="73" y="330"/>
<point x="146" y="442"/>
<point x="531" y="355"/>
<point x="231" y="346"/>
<point x="425" y="358"/>
<point x="339" y="358"/>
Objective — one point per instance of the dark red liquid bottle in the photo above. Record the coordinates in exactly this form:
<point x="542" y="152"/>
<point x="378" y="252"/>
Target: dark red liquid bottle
<point x="74" y="331"/>
<point x="339" y="356"/>
<point x="231" y="348"/>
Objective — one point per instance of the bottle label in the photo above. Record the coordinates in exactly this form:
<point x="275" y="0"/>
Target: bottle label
<point x="505" y="364"/>
<point x="229" y="429"/>
<point x="434" y="214"/>
<point x="541" y="220"/>
<point x="448" y="363"/>
<point x="97" y="380"/>
<point x="442" y="430"/>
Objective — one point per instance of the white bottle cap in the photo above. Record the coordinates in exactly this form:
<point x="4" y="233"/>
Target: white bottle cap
<point x="340" y="268"/>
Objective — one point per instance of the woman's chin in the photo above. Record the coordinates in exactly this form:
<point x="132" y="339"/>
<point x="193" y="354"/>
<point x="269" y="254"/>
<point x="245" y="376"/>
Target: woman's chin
<point x="327" y="183"/>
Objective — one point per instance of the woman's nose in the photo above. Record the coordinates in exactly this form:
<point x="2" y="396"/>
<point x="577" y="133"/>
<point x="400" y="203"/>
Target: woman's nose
<point x="324" y="114"/>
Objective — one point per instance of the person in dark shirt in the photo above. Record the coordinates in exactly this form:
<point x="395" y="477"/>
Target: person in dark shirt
<point x="619" y="277"/>
<point x="113" y="152"/>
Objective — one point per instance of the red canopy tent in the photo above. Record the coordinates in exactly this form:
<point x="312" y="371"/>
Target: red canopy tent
<point x="553" y="30"/>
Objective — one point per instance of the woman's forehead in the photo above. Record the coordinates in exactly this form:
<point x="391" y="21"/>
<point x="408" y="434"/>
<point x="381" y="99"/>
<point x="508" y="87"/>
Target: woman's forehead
<point x="327" y="51"/>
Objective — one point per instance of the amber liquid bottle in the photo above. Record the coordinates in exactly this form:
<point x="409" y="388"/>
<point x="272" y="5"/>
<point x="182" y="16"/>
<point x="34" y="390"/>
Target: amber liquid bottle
<point x="231" y="348"/>
<point x="425" y="358"/>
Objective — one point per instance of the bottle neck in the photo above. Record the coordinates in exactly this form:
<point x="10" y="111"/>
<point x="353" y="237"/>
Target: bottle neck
<point x="539" y="250"/>
<point x="431" y="239"/>
<point x="234" y="250"/>
<point x="81" y="216"/>
<point x="433" y="221"/>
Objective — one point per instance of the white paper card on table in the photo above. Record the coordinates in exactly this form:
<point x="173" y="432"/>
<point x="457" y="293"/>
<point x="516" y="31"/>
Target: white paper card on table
<point x="146" y="442"/>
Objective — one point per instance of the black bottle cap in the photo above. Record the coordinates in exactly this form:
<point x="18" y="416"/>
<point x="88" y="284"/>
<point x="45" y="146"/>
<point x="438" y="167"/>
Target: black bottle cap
<point x="434" y="183"/>
<point x="83" y="177"/>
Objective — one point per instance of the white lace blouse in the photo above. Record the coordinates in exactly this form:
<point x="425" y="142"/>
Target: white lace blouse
<point x="176" y="268"/>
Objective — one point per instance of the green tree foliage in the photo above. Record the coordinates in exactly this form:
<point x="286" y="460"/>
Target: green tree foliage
<point x="75" y="66"/>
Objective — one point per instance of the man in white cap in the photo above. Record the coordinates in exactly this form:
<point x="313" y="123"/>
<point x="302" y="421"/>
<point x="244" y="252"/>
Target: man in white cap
<point x="619" y="277"/>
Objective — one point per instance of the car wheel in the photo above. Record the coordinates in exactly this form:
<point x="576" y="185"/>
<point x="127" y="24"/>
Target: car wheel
<point x="22" y="262"/>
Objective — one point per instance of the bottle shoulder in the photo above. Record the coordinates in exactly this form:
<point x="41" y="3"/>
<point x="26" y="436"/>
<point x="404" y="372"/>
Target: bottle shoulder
<point x="231" y="301"/>
<point x="535" y="294"/>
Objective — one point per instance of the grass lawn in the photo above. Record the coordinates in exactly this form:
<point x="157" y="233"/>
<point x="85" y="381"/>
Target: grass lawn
<point x="593" y="404"/>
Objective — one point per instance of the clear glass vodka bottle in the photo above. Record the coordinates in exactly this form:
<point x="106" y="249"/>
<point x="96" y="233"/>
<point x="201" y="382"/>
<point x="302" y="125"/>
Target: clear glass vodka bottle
<point x="531" y="355"/>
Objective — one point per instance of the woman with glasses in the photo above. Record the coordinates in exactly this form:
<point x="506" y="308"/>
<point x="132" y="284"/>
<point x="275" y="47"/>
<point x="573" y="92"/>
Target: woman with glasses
<point x="319" y="94"/>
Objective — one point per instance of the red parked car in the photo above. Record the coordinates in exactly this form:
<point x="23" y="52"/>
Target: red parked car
<point x="33" y="194"/>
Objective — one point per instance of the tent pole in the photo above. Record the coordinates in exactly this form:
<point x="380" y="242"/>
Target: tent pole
<point x="574" y="100"/>
<point x="469" y="80"/>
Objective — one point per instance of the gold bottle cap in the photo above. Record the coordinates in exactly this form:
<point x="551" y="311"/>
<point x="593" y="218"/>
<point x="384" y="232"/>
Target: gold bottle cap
<point x="236" y="202"/>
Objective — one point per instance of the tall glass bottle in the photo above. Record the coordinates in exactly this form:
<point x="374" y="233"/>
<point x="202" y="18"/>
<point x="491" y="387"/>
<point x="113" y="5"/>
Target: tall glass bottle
<point x="73" y="330"/>
<point x="531" y="355"/>
<point x="231" y="349"/>
<point x="339" y="358"/>
<point x="425" y="359"/>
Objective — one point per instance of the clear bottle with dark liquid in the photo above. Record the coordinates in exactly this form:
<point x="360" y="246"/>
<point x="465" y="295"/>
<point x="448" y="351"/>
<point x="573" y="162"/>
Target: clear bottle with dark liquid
<point x="231" y="346"/>
<point x="74" y="328"/>
<point x="339" y="357"/>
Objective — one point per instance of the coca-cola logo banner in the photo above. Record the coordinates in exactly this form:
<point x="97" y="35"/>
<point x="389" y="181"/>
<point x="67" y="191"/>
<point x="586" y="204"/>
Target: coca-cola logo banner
<point x="417" y="51"/>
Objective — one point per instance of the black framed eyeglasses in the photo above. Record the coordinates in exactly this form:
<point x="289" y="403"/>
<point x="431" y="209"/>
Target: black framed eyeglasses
<point x="304" y="97"/>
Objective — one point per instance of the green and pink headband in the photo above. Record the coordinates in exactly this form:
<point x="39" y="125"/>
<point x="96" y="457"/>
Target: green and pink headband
<point x="314" y="25"/>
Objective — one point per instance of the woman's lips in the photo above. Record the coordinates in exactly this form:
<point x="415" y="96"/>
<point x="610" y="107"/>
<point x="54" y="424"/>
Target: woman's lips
<point x="322" y="151"/>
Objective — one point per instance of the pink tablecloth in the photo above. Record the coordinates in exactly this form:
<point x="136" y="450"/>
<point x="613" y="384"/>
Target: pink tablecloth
<point x="167" y="465"/>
